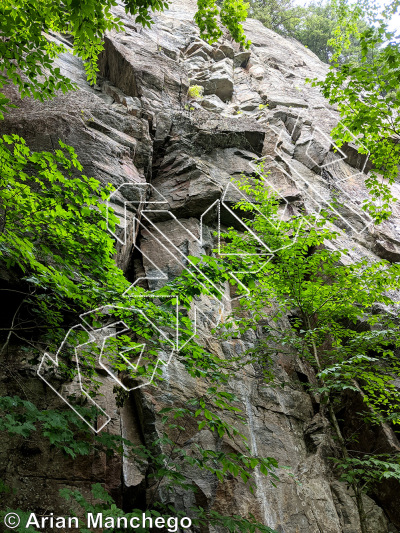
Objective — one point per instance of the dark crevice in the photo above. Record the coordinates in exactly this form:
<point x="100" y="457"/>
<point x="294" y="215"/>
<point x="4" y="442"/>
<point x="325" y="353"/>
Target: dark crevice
<point x="135" y="269"/>
<point x="363" y="438"/>
<point x="134" y="496"/>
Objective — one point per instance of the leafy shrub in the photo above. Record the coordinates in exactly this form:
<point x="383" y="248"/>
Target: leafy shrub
<point x="195" y="91"/>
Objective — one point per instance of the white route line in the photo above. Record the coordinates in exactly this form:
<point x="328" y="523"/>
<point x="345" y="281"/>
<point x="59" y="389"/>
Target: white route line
<point x="179" y="257"/>
<point x="317" y="198"/>
<point x="85" y="326"/>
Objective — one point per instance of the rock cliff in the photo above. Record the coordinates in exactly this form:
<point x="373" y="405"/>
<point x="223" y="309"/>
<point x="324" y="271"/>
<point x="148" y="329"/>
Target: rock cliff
<point x="137" y="126"/>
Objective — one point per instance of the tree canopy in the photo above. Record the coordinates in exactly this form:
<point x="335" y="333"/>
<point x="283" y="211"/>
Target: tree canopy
<point x="366" y="93"/>
<point x="313" y="25"/>
<point x="314" y="301"/>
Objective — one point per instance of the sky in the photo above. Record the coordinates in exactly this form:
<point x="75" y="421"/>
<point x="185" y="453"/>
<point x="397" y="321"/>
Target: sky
<point x="395" y="23"/>
<point x="395" y="20"/>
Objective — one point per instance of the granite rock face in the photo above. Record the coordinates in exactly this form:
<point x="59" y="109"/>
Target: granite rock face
<point x="139" y="126"/>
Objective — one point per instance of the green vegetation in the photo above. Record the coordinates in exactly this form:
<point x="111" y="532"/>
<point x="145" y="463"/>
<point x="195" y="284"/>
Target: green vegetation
<point x="195" y="91"/>
<point x="203" y="519"/>
<point x="168" y="458"/>
<point x="367" y="95"/>
<point x="363" y="80"/>
<point x="28" y="49"/>
<point x="53" y="226"/>
<point x="54" y="241"/>
<point x="313" y="25"/>
<point x="232" y="13"/>
<point x="278" y="15"/>
<point x="341" y="319"/>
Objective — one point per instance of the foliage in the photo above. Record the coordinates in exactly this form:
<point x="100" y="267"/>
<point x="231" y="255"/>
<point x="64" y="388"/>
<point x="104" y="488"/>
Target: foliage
<point x="326" y="295"/>
<point x="195" y="91"/>
<point x="370" y="469"/>
<point x="232" y="14"/>
<point x="278" y="15"/>
<point x="52" y="221"/>
<point x="313" y="25"/>
<point x="202" y="518"/>
<point x="362" y="82"/>
<point x="23" y="516"/>
<point x="342" y="317"/>
<point x="165" y="458"/>
<point x="28" y="48"/>
<point x="53" y="235"/>
<point x="107" y="508"/>
<point x="63" y="429"/>
<point x="366" y="94"/>
<point x="314" y="29"/>
<point x="317" y="24"/>
<point x="54" y="239"/>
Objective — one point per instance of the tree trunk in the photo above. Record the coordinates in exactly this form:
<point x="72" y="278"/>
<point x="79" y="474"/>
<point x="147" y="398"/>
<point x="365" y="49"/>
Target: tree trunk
<point x="355" y="486"/>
